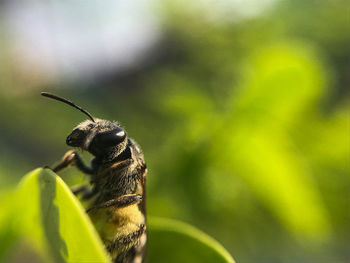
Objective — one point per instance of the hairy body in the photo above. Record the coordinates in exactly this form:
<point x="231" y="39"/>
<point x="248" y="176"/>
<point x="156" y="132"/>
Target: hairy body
<point x="116" y="196"/>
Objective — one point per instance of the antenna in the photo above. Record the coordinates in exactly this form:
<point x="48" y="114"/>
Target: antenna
<point x="55" y="97"/>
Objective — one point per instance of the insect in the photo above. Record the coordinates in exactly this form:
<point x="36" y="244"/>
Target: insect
<point x="116" y="194"/>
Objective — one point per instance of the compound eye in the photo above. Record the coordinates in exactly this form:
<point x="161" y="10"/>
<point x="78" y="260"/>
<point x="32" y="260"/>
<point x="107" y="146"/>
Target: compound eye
<point x="120" y="134"/>
<point x="111" y="138"/>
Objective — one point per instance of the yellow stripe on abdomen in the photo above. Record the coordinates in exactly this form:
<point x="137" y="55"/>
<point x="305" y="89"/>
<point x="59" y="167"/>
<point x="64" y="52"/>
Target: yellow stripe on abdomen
<point x="112" y="223"/>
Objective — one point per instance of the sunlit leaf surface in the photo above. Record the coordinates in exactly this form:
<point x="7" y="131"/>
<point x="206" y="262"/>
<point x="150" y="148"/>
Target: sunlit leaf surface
<point x="244" y="122"/>
<point x="8" y="231"/>
<point x="173" y="241"/>
<point x="55" y="218"/>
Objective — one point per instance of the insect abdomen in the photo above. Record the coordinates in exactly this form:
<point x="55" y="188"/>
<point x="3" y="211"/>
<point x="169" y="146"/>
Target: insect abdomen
<point x="119" y="228"/>
<point x="122" y="226"/>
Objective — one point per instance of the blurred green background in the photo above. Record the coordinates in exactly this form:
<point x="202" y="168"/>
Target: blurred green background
<point x="241" y="109"/>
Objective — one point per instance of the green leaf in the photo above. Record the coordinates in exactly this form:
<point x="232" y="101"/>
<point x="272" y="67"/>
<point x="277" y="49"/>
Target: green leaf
<point x="56" y="221"/>
<point x="281" y="84"/>
<point x="54" y="218"/>
<point x="8" y="231"/>
<point x="173" y="241"/>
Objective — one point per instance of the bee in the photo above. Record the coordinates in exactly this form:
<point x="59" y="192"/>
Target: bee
<point x="116" y="194"/>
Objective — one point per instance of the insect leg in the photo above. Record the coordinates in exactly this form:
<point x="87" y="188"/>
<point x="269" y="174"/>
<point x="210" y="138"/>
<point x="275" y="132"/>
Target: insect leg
<point x="87" y="192"/>
<point x="72" y="158"/>
<point x="79" y="189"/>
<point x="121" y="201"/>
